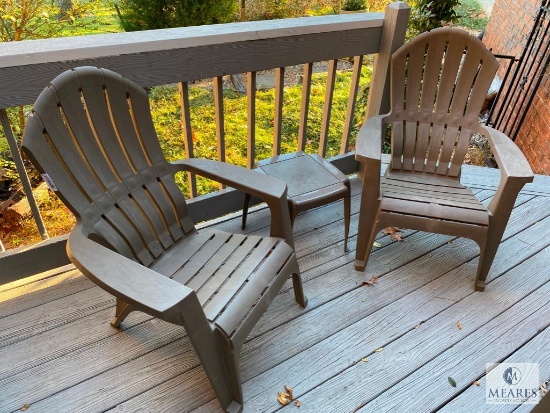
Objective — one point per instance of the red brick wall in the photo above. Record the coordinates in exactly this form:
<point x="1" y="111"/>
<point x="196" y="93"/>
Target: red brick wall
<point x="506" y="33"/>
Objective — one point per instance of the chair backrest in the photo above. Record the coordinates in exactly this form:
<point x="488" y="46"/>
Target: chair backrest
<point x="91" y="131"/>
<point x="439" y="81"/>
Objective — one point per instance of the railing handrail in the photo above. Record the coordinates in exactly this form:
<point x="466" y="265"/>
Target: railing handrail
<point x="101" y="45"/>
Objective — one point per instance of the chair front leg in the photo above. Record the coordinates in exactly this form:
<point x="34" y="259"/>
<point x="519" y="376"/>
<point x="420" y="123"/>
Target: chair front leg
<point x="211" y="346"/>
<point x="369" y="212"/>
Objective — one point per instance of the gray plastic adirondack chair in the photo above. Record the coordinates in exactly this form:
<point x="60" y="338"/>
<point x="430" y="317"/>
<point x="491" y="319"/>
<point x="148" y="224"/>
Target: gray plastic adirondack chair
<point x="439" y="81"/>
<point x="91" y="131"/>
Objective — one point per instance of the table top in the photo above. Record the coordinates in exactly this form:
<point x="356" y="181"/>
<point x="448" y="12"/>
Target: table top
<point x="302" y="173"/>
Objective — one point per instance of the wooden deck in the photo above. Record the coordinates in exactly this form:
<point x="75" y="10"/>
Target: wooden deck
<point x="355" y="348"/>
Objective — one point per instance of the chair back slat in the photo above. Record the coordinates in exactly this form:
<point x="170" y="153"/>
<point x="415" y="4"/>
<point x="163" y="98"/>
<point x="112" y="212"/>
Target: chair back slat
<point x="439" y="82"/>
<point x="92" y="130"/>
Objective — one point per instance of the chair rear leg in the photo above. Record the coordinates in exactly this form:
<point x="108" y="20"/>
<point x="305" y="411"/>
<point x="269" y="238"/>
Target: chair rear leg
<point x="297" y="285"/>
<point x="121" y="312"/>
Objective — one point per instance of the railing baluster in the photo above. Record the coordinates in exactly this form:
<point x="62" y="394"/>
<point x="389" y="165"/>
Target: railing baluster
<point x="27" y="188"/>
<point x="187" y="134"/>
<point x="278" y="121"/>
<point x="327" y="107"/>
<point x="251" y="97"/>
<point x="220" y="131"/>
<point x="304" y="109"/>
<point x="352" y="100"/>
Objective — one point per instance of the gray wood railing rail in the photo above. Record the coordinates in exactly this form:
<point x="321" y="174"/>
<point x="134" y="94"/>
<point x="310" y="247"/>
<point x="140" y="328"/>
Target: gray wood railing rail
<point x="183" y="55"/>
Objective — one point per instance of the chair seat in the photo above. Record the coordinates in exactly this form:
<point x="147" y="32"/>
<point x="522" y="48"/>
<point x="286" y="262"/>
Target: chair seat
<point x="431" y="197"/>
<point x="227" y="270"/>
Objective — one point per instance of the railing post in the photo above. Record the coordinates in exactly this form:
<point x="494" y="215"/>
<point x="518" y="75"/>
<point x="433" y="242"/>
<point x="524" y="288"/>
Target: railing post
<point x="396" y="18"/>
<point x="27" y="188"/>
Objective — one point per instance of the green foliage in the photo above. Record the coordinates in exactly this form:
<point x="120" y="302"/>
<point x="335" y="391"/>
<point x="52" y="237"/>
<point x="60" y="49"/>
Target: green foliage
<point x="31" y="19"/>
<point x="354" y="5"/>
<point x="470" y="14"/>
<point x="40" y="19"/>
<point x="275" y="9"/>
<point x="159" y="14"/>
<point x="430" y="14"/>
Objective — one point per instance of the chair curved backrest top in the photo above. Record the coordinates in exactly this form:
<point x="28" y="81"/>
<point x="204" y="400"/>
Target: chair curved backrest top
<point x="439" y="81"/>
<point x="91" y="130"/>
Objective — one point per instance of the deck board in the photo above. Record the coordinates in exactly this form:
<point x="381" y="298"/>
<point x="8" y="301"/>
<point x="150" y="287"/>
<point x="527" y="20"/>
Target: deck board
<point x="64" y="356"/>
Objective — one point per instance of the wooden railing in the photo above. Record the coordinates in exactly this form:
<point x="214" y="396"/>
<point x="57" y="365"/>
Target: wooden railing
<point x="184" y="55"/>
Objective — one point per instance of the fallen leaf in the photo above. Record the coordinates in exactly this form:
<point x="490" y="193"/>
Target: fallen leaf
<point x="283" y="398"/>
<point x="364" y="359"/>
<point x="396" y="237"/>
<point x="377" y="245"/>
<point x="373" y="280"/>
<point x="452" y="381"/>
<point x="459" y="325"/>
<point x="417" y="326"/>
<point x="289" y="391"/>
<point x="297" y="403"/>
<point x="378" y="350"/>
<point x="25" y="407"/>
<point x="476" y="383"/>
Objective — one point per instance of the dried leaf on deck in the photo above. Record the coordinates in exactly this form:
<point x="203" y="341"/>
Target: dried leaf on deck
<point x="289" y="391"/>
<point x="459" y="325"/>
<point x="396" y="237"/>
<point x="393" y="232"/>
<point x="25" y="407"/>
<point x="297" y="403"/>
<point x="390" y="230"/>
<point x="378" y="350"/>
<point x="283" y="398"/>
<point x="476" y="383"/>
<point x="373" y="280"/>
<point x="376" y="244"/>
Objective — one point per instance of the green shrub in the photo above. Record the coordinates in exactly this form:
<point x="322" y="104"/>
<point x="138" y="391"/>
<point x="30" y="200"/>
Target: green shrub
<point x="428" y="14"/>
<point x="354" y="5"/>
<point x="159" y="14"/>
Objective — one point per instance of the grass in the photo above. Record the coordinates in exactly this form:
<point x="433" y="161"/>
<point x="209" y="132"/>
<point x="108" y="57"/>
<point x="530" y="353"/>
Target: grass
<point x="167" y="117"/>
<point x="471" y="16"/>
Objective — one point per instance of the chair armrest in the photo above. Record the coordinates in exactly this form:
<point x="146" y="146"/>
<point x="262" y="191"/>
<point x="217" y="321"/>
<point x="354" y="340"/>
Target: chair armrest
<point x="272" y="190"/>
<point x="514" y="173"/>
<point x="511" y="161"/>
<point x="144" y="289"/>
<point x="369" y="140"/>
